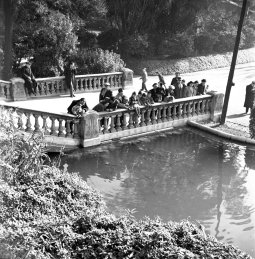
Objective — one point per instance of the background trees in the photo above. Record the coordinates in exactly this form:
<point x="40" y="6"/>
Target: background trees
<point x="53" y="31"/>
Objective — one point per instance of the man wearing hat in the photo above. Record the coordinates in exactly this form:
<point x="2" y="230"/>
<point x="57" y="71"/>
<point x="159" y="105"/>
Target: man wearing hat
<point x="28" y="76"/>
<point x="249" y="96"/>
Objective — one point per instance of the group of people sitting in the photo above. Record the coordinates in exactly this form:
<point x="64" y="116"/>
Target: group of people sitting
<point x="158" y="93"/>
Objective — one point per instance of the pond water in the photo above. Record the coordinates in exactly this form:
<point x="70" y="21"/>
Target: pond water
<point x="177" y="175"/>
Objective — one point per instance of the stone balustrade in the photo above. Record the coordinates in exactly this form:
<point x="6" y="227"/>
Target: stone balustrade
<point x="94" y="128"/>
<point x="5" y="90"/>
<point x="55" y="86"/>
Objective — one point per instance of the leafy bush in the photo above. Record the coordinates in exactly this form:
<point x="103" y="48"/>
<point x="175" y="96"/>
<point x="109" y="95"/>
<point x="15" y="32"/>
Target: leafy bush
<point x="136" y="45"/>
<point x="48" y="213"/>
<point x="109" y="39"/>
<point x="98" y="61"/>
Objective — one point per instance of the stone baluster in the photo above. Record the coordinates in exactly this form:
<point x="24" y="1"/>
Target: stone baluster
<point x="189" y="109"/>
<point x="163" y="117"/>
<point x="169" y="113"/>
<point x="148" y="117"/>
<point x="45" y="125"/>
<point x="90" y="85"/>
<point x="75" y="128"/>
<point x="61" y="128"/>
<point x="184" y="110"/>
<point x="68" y="128"/>
<point x="37" y="125"/>
<point x="174" y="112"/>
<point x="124" y="122"/>
<point x="28" y="124"/>
<point x="53" y="127"/>
<point x="199" y="110"/>
<point x="136" y="122"/>
<point x="193" y="108"/>
<point x="55" y="87"/>
<point x="159" y="109"/>
<point x="207" y="106"/>
<point x="131" y="123"/>
<point x="20" y="121"/>
<point x="203" y="106"/>
<point x="86" y="84"/>
<point x="112" y="127"/>
<point x="105" y="130"/>
<point x="142" y="122"/>
<point x="118" y="124"/>
<point x="179" y="112"/>
<point x="153" y="118"/>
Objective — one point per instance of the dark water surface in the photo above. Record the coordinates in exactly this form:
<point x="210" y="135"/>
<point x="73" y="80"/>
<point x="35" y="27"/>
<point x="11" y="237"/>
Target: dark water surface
<point x="177" y="175"/>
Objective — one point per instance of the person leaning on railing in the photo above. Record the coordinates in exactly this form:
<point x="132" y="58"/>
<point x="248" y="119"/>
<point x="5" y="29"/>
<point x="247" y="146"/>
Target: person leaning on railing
<point x="28" y="76"/>
<point x="78" y="107"/>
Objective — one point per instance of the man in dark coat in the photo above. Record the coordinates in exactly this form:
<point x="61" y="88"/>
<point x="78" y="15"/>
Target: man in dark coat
<point x="175" y="79"/>
<point x="161" y="79"/>
<point x="27" y="74"/>
<point x="154" y="92"/>
<point x="70" y="72"/>
<point x="105" y="93"/>
<point x="249" y="96"/>
<point x="201" y="88"/>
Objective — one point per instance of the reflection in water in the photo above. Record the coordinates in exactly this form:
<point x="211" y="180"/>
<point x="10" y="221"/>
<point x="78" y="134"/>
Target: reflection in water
<point x="177" y="175"/>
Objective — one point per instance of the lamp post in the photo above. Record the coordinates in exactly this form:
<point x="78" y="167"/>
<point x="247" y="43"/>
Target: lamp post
<point x="233" y="63"/>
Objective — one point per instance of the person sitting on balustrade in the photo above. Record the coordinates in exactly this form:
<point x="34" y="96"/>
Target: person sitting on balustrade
<point x="154" y="92"/>
<point x="80" y="105"/>
<point x="80" y="108"/>
<point x="120" y="99"/>
<point x="102" y="106"/>
<point x="134" y="103"/>
<point x="105" y="92"/>
<point x="28" y="76"/>
<point x="161" y="92"/>
<point x="144" y="100"/>
<point x="149" y="98"/>
<point x="170" y="94"/>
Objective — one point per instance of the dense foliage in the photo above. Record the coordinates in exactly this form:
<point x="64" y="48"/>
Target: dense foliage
<point x="46" y="212"/>
<point x="53" y="31"/>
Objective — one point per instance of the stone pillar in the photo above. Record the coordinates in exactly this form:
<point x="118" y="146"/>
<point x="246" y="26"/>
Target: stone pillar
<point x="216" y="105"/>
<point x="127" y="79"/>
<point x="89" y="129"/>
<point x="18" y="92"/>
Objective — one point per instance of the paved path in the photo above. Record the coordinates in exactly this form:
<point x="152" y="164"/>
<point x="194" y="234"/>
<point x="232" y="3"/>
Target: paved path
<point x="216" y="78"/>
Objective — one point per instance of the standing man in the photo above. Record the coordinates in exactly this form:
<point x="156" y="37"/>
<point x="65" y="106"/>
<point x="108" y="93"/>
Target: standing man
<point x="178" y="91"/>
<point x="161" y="79"/>
<point x="144" y="78"/>
<point x="249" y="96"/>
<point x="28" y="76"/>
<point x="70" y="72"/>
<point x="175" y="79"/>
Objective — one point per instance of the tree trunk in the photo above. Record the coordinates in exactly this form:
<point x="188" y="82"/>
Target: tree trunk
<point x="233" y="63"/>
<point x="9" y="7"/>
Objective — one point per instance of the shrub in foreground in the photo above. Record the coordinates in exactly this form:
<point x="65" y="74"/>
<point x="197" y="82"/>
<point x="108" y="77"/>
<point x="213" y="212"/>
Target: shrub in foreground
<point x="48" y="213"/>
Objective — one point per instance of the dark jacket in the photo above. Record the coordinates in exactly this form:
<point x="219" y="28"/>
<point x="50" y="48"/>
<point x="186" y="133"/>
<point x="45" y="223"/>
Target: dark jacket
<point x="249" y="97"/>
<point x="200" y="89"/>
<point x="74" y="102"/>
<point x="28" y="76"/>
<point x="107" y="94"/>
<point x="70" y="76"/>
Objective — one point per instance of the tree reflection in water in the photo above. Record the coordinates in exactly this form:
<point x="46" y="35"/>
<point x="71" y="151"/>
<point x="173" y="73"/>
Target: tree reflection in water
<point x="176" y="175"/>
